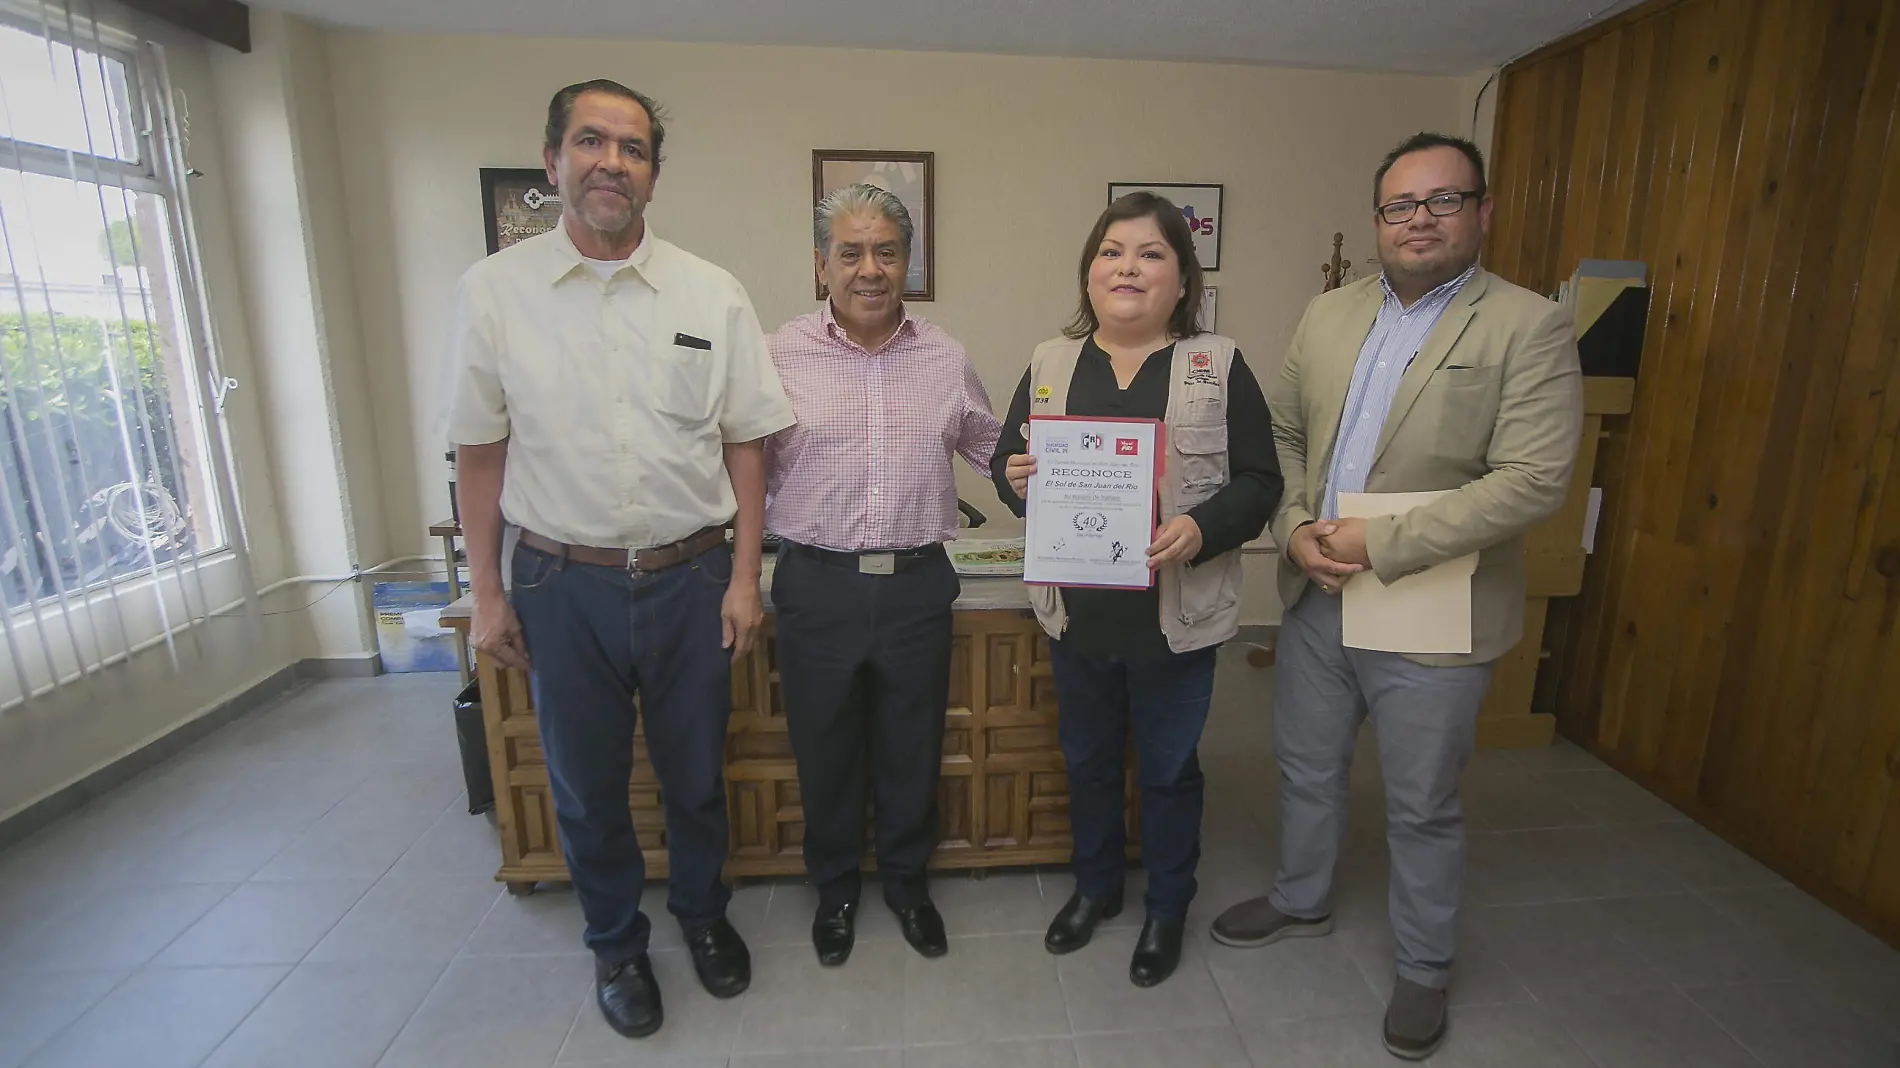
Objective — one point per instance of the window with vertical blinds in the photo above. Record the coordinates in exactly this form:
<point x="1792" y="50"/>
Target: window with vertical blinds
<point x="112" y="464"/>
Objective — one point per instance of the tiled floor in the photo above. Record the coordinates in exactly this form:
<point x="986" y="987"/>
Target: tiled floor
<point x="306" y="888"/>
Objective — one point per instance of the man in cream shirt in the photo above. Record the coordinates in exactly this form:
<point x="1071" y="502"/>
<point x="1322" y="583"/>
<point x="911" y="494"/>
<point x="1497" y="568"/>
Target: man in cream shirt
<point x="610" y="398"/>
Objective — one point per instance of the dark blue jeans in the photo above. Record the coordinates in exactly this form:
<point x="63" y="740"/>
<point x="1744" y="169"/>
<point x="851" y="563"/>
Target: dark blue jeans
<point x="598" y="636"/>
<point x="1164" y="702"/>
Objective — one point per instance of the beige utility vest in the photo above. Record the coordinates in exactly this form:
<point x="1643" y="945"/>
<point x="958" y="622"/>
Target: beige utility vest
<point x="1200" y="606"/>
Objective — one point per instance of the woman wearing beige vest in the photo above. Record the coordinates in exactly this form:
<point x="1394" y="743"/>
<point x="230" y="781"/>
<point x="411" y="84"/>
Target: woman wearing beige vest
<point x="1143" y="661"/>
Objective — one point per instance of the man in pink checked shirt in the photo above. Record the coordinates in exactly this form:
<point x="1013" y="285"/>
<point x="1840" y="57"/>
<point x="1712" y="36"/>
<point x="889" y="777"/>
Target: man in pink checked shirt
<point x="862" y="493"/>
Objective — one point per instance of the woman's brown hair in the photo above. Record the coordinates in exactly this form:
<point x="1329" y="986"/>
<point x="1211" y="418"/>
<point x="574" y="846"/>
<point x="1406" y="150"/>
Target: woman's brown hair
<point x="1185" y="319"/>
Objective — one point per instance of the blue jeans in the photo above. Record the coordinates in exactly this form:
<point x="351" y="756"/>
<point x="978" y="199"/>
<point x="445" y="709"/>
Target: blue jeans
<point x="597" y="637"/>
<point x="1164" y="703"/>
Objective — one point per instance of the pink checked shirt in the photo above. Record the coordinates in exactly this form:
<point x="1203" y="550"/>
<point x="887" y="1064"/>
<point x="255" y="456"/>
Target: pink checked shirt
<point x="868" y="464"/>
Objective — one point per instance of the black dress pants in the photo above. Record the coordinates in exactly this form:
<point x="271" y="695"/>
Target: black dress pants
<point x="864" y="668"/>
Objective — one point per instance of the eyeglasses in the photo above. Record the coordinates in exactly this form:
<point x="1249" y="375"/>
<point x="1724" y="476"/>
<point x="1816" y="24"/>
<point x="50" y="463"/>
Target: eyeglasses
<point x="1401" y="211"/>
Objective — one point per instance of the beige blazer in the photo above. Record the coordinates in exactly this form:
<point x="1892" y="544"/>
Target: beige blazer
<point x="1491" y="408"/>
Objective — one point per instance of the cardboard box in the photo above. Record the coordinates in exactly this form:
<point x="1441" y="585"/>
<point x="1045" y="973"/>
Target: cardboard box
<point x="409" y="630"/>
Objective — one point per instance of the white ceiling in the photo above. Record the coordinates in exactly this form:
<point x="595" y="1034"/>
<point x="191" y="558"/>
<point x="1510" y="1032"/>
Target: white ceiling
<point x="1419" y="36"/>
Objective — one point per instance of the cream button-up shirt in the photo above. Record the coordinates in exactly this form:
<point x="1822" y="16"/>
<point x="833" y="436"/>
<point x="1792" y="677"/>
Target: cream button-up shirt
<point x="615" y="394"/>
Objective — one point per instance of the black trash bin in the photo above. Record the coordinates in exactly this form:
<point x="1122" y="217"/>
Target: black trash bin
<point x="474" y="745"/>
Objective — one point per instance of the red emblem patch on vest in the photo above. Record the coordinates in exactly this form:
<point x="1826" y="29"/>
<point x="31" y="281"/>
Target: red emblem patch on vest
<point x="1201" y="369"/>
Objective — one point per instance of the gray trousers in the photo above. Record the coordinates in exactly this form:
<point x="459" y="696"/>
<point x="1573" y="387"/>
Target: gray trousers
<point x="1425" y="719"/>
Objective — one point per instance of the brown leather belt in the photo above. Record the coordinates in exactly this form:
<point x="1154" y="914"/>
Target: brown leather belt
<point x="658" y="558"/>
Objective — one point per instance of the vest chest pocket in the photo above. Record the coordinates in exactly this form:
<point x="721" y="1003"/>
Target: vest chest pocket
<point x="1203" y="405"/>
<point x="1203" y="455"/>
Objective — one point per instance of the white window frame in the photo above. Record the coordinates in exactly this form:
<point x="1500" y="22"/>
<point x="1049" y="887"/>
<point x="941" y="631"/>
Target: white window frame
<point x="159" y="170"/>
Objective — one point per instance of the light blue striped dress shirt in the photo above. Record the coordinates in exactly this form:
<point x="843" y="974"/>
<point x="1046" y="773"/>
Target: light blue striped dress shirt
<point x="1396" y="336"/>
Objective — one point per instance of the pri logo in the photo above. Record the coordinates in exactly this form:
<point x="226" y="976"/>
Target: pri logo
<point x="1091" y="443"/>
<point x="1127" y="447"/>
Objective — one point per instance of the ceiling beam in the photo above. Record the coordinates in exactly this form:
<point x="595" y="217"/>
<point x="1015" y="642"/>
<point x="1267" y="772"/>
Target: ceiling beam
<point x="228" y="22"/>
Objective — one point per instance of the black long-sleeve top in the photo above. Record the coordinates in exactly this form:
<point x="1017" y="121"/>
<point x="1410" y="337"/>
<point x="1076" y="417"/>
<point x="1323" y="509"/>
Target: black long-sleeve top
<point x="1127" y="623"/>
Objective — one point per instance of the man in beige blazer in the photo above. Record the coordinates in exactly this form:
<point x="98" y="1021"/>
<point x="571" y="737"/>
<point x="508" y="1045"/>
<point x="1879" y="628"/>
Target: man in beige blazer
<point x="1435" y="375"/>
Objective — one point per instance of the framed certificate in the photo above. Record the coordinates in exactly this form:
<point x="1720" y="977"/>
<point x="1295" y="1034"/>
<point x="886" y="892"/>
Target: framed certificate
<point x="1091" y="502"/>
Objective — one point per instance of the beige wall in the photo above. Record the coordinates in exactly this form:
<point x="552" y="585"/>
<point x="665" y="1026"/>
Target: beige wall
<point x="1025" y="150"/>
<point x="298" y="302"/>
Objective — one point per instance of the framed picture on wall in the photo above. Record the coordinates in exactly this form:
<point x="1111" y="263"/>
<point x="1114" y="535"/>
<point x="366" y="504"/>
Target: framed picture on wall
<point x="1200" y="205"/>
<point x="517" y="203"/>
<point x="909" y="175"/>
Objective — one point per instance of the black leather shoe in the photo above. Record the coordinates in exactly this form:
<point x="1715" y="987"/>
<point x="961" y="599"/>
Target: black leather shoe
<point x="833" y="932"/>
<point x="923" y="929"/>
<point x="628" y="996"/>
<point x="1157" y="952"/>
<point x="721" y="959"/>
<point x="1075" y="924"/>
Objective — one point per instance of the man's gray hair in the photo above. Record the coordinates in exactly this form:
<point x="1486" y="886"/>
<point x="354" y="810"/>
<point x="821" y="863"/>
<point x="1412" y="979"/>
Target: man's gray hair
<point x="862" y="197"/>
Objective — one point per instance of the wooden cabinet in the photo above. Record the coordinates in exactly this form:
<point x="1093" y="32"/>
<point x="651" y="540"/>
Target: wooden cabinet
<point x="1004" y="793"/>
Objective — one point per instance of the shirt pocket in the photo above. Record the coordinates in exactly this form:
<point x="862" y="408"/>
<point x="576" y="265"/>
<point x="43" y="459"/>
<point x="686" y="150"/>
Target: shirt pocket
<point x="1203" y="452"/>
<point x="682" y="382"/>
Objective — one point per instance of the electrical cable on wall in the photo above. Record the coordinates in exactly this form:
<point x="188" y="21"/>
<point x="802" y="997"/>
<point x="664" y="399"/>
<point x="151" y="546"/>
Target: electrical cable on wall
<point x="1478" y="101"/>
<point x="335" y="586"/>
